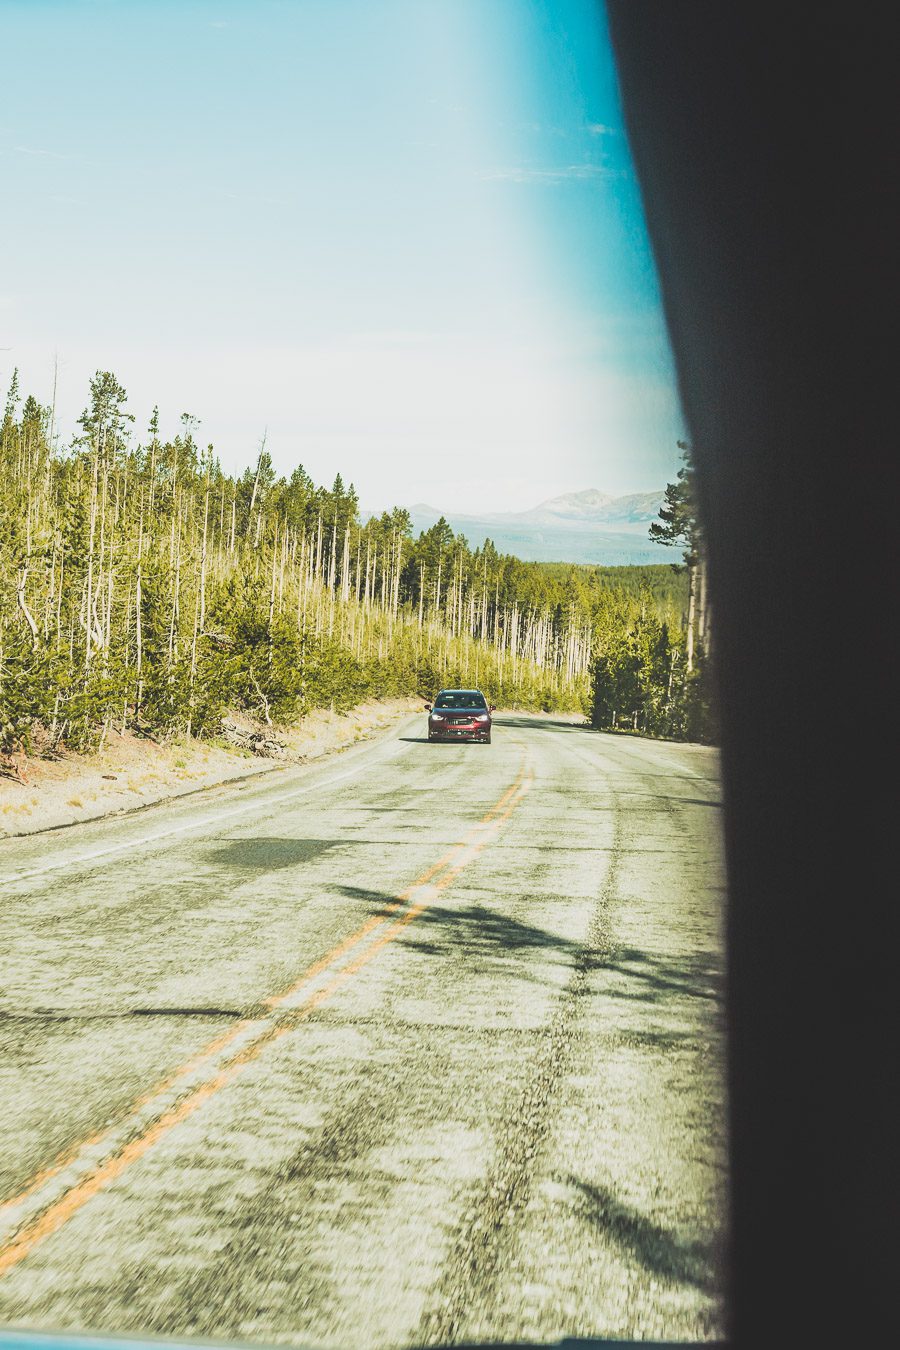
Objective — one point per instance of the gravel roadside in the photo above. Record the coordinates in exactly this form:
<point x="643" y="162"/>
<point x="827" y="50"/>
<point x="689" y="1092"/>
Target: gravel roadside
<point x="132" y="771"/>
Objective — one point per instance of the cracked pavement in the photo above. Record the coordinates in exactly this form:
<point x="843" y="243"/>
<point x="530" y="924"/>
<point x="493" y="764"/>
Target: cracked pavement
<point x="422" y="1044"/>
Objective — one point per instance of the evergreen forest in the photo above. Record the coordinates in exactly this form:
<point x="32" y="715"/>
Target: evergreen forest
<point x="142" y="588"/>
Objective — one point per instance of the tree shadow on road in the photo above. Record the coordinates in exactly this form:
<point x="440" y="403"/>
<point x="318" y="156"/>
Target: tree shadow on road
<point x="659" y="1251"/>
<point x="693" y="974"/>
<point x="537" y="723"/>
<point x="672" y="797"/>
<point x="484" y="937"/>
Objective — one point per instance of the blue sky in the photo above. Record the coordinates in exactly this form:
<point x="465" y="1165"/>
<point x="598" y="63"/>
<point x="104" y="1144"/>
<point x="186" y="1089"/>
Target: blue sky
<point x="403" y="238"/>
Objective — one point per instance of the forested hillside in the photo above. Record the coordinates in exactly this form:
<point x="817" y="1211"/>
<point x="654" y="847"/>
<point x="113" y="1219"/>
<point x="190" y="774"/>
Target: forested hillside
<point x="144" y="588"/>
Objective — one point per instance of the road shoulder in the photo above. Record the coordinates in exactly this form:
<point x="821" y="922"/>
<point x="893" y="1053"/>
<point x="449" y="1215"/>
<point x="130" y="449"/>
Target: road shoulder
<point x="132" y="772"/>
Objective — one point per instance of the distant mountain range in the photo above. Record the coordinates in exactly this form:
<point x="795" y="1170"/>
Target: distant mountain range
<point x="591" y="507"/>
<point x="578" y="527"/>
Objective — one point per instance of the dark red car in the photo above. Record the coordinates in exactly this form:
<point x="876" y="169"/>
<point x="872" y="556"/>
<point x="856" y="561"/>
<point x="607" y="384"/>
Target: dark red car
<point x="460" y="715"/>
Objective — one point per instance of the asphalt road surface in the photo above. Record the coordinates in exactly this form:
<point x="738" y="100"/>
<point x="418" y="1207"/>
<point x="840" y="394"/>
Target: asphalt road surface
<point x="419" y="1045"/>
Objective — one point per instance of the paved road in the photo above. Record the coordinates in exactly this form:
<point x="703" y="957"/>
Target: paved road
<point x="419" y="1045"/>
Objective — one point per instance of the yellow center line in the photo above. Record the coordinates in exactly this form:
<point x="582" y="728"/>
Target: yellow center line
<point x="102" y="1175"/>
<point x="215" y="1046"/>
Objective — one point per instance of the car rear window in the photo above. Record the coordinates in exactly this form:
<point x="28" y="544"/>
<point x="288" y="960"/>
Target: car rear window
<point x="462" y="700"/>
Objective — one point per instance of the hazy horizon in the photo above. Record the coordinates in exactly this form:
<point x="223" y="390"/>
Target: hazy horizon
<point x="487" y="511"/>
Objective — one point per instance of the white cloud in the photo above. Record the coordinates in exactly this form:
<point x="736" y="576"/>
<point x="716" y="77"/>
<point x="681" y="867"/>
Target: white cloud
<point x="36" y="152"/>
<point x="49" y="154"/>
<point x="600" y="129"/>
<point x="568" y="173"/>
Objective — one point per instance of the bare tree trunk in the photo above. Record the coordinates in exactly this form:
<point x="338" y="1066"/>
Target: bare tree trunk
<point x="253" y="494"/>
<point x="704" y="632"/>
<point x="138" y="614"/>
<point x="92" y="531"/>
<point x="176" y="595"/>
<point x="286" y="543"/>
<point x="203" y="557"/>
<point x="59" y="597"/>
<point x="345" y="567"/>
<point x="23" y="606"/>
<point x="272" y="587"/>
<point x="397" y="566"/>
<point x="332" y="558"/>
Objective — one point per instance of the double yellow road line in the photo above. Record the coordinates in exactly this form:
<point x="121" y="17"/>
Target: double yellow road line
<point x="57" y="1192"/>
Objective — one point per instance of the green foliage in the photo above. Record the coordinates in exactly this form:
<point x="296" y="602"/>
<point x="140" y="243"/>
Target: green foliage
<point x="28" y="679"/>
<point x="651" y="669"/>
<point x="679" y="522"/>
<point x="141" y="587"/>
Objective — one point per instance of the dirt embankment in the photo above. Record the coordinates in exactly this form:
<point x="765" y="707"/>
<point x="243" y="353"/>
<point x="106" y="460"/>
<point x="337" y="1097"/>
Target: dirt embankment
<point x="131" y="771"/>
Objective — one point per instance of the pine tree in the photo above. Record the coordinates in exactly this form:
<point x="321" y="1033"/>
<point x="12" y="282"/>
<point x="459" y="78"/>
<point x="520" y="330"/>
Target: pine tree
<point x="141" y="587"/>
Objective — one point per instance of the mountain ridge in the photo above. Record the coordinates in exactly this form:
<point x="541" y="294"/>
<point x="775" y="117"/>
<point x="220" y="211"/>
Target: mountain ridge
<point x="586" y="526"/>
<point x="590" y="506"/>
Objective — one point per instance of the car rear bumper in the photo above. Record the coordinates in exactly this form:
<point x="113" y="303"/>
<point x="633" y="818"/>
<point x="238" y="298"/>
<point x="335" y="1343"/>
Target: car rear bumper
<point x="464" y="734"/>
